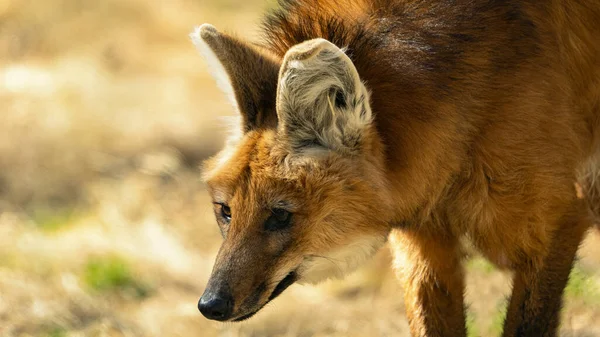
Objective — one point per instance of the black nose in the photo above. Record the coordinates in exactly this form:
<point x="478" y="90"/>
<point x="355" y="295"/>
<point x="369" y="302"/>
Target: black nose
<point x="216" y="305"/>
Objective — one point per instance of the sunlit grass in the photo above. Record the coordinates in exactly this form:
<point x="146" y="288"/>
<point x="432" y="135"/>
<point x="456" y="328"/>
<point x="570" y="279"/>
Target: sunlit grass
<point x="480" y="264"/>
<point x="114" y="274"/>
<point x="497" y="320"/>
<point x="51" y="220"/>
<point x="472" y="329"/>
<point x="56" y="332"/>
<point x="582" y="286"/>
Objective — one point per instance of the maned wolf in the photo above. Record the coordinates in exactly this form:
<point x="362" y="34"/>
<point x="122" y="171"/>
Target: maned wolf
<point x="425" y="121"/>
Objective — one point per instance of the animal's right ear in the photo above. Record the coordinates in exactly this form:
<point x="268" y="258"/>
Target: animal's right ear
<point x="246" y="75"/>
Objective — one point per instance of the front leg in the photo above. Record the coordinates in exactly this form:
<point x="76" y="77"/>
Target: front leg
<point x="534" y="308"/>
<point x="430" y="269"/>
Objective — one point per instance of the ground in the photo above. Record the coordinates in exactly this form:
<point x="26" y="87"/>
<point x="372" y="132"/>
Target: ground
<point x="105" y="227"/>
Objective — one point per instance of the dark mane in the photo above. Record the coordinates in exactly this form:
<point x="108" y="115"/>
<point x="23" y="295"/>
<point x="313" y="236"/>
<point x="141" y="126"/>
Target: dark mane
<point x="420" y="53"/>
<point x="295" y="21"/>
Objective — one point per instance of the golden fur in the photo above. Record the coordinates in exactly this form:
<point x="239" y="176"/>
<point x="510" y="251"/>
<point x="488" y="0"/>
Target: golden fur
<point x="485" y="115"/>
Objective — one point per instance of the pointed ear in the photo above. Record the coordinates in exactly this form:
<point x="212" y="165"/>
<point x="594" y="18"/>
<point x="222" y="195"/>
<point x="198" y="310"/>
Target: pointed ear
<point x="321" y="100"/>
<point x="247" y="75"/>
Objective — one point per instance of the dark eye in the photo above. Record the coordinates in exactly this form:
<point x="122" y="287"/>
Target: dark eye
<point x="279" y="219"/>
<point x="226" y="212"/>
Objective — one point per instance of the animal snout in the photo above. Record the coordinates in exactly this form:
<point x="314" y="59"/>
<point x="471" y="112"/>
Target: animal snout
<point x="216" y="305"/>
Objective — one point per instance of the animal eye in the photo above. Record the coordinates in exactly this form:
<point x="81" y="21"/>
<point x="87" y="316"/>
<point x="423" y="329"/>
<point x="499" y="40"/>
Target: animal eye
<point x="279" y="219"/>
<point x="226" y="212"/>
<point x="281" y="214"/>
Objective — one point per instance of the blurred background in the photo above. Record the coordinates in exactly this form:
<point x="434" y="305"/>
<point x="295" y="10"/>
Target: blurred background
<point x="106" y="112"/>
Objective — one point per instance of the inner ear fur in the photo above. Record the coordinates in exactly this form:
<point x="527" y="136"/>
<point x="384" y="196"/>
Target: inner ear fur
<point x="245" y="73"/>
<point x="321" y="100"/>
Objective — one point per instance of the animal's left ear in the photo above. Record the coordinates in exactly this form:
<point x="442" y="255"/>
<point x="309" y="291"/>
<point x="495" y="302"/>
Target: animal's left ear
<point x="321" y="101"/>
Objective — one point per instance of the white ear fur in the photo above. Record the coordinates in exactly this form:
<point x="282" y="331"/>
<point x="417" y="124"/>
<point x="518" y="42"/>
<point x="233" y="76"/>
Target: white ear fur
<point x="320" y="98"/>
<point x="215" y="66"/>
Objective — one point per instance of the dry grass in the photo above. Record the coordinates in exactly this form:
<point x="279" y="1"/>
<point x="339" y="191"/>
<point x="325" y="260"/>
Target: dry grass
<point x="105" y="229"/>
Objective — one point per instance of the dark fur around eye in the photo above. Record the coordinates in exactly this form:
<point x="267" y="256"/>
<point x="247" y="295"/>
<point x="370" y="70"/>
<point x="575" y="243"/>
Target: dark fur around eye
<point x="278" y="220"/>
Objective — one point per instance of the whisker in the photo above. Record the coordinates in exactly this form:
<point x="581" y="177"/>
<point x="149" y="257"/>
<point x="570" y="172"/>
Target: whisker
<point x="331" y="260"/>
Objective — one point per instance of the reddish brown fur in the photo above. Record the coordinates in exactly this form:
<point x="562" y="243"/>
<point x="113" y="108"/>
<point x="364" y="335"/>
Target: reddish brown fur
<point x="485" y="112"/>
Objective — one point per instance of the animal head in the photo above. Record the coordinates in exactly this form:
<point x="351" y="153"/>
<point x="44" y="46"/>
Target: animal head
<point x="298" y="191"/>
